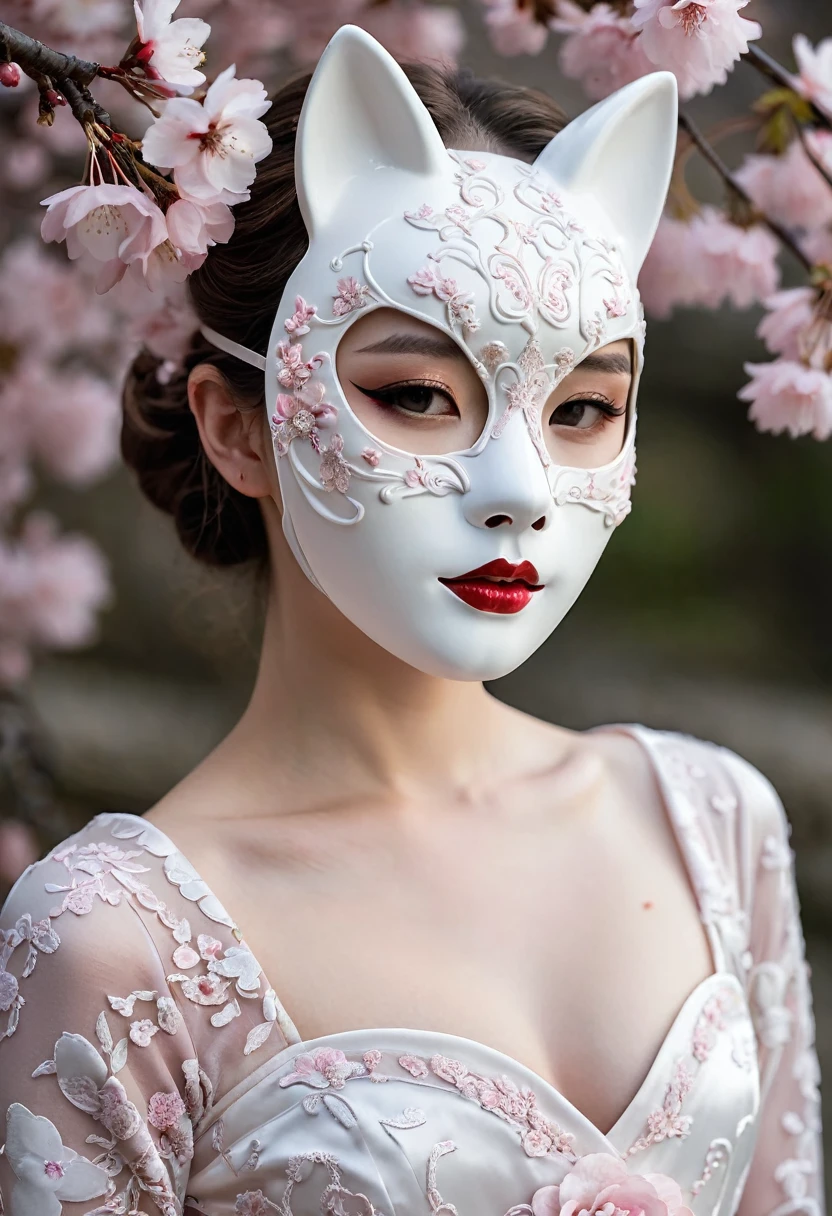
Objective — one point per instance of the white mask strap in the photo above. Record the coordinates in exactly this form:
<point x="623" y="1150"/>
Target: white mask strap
<point x="234" y="348"/>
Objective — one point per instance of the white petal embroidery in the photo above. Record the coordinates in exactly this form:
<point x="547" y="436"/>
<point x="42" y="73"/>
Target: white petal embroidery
<point x="47" y="1171"/>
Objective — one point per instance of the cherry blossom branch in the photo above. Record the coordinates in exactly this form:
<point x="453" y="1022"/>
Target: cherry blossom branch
<point x="767" y="66"/>
<point x="718" y="164"/>
<point x="812" y="155"/>
<point x="61" y="79"/>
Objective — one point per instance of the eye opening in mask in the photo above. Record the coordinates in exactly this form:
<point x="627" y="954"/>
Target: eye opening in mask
<point x="410" y="384"/>
<point x="588" y="418"/>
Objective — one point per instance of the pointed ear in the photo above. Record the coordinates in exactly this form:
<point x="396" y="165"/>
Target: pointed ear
<point x="621" y="151"/>
<point x="360" y="114"/>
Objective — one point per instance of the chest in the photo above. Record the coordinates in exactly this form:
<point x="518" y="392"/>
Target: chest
<point x="568" y="944"/>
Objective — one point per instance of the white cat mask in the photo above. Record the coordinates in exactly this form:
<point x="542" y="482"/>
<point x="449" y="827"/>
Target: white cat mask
<point x="528" y="268"/>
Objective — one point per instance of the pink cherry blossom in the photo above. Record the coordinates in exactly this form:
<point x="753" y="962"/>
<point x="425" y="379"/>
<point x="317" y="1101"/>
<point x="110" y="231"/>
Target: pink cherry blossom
<point x="818" y="246"/>
<point x="114" y="225"/>
<point x="698" y="40"/>
<point x="416" y="31"/>
<point x="513" y="29"/>
<point x="165" y="325"/>
<point x="787" y="320"/>
<point x="45" y="302"/>
<point x="212" y="147"/>
<point x="814" y="64"/>
<point x="600" y="1183"/>
<point x="75" y="421"/>
<point x="788" y="396"/>
<point x="601" y="48"/>
<point x="789" y="188"/>
<point x="171" y="50"/>
<point x="737" y="264"/>
<point x="195" y="225"/>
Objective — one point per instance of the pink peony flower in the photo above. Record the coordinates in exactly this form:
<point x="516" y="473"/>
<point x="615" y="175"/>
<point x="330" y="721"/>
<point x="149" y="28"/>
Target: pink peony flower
<point x="789" y="316"/>
<point x="698" y="40"/>
<point x="601" y="48"/>
<point x="814" y="65"/>
<point x="789" y="188"/>
<point x="114" y="225"/>
<point x="171" y="50"/>
<point x="212" y="147"/>
<point x="788" y="396"/>
<point x="194" y="225"/>
<point x="737" y="264"/>
<point x="164" y="1110"/>
<point x="600" y="1184"/>
<point x="513" y="28"/>
<point x="416" y="31"/>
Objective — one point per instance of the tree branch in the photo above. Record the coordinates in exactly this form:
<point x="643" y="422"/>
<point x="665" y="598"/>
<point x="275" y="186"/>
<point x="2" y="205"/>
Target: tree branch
<point x="716" y="162"/>
<point x="68" y="74"/>
<point x="767" y="66"/>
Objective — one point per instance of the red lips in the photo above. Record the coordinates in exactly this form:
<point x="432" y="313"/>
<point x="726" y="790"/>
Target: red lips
<point x="519" y="581"/>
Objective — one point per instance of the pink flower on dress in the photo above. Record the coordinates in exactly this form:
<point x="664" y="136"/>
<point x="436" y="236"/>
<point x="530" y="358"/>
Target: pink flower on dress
<point x="788" y="396"/>
<point x="513" y="28"/>
<point x="209" y="947"/>
<point x="601" y="1184"/>
<point x="80" y="899"/>
<point x="185" y="957"/>
<point x="113" y="225"/>
<point x="253" y="1203"/>
<point x="171" y="50"/>
<point x="142" y="1032"/>
<point x="117" y="1112"/>
<point x="212" y="147"/>
<point x="334" y="469"/>
<point x="164" y="1110"/>
<point x="601" y="48"/>
<point x="298" y="324"/>
<point x="8" y="990"/>
<point x="815" y="71"/>
<point x="351" y="295"/>
<point x="788" y="318"/>
<point x="789" y="188"/>
<point x="202" y="989"/>
<point x="324" y="1068"/>
<point x="698" y="40"/>
<point x="414" y="1065"/>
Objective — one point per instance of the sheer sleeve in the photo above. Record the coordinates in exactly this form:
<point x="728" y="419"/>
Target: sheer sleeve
<point x="786" y="1174"/>
<point x="100" y="1087"/>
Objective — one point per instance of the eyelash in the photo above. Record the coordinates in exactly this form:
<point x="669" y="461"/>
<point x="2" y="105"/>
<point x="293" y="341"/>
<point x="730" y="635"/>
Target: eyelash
<point x="384" y="395"/>
<point x="603" y="403"/>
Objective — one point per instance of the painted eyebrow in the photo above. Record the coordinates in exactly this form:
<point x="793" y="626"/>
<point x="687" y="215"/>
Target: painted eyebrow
<point x="612" y="362"/>
<point x="437" y="347"/>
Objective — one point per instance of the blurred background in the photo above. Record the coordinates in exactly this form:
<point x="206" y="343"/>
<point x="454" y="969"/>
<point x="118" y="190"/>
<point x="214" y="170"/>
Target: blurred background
<point x="711" y="612"/>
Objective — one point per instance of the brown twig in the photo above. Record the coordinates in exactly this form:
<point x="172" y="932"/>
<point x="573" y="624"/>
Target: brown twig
<point x="813" y="157"/>
<point x="767" y="66"/>
<point x="67" y="74"/>
<point x="717" y="163"/>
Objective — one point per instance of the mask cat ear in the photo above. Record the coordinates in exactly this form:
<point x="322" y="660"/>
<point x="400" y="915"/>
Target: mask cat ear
<point x="621" y="152"/>
<point x="360" y="114"/>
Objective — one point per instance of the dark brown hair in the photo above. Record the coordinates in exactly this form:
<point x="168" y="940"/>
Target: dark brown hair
<point x="238" y="288"/>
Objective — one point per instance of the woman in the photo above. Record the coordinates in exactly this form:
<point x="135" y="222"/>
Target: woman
<point x="490" y="965"/>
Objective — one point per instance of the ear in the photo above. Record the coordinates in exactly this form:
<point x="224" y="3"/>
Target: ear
<point x="360" y="114"/>
<point x="621" y="151"/>
<point x="233" y="440"/>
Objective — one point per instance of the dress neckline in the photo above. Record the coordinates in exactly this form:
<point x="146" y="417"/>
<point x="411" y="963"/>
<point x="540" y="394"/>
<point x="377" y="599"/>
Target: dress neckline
<point x="720" y="973"/>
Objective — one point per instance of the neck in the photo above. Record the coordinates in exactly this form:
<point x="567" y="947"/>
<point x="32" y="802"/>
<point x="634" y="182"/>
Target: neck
<point x="332" y="712"/>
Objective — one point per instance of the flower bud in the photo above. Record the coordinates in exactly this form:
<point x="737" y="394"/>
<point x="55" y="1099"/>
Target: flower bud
<point x="9" y="75"/>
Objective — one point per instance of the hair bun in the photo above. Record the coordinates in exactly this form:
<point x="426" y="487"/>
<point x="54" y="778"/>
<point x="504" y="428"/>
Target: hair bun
<point x="160" y="443"/>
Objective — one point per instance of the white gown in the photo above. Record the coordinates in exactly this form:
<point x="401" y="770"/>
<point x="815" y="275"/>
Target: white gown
<point x="148" y="1064"/>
